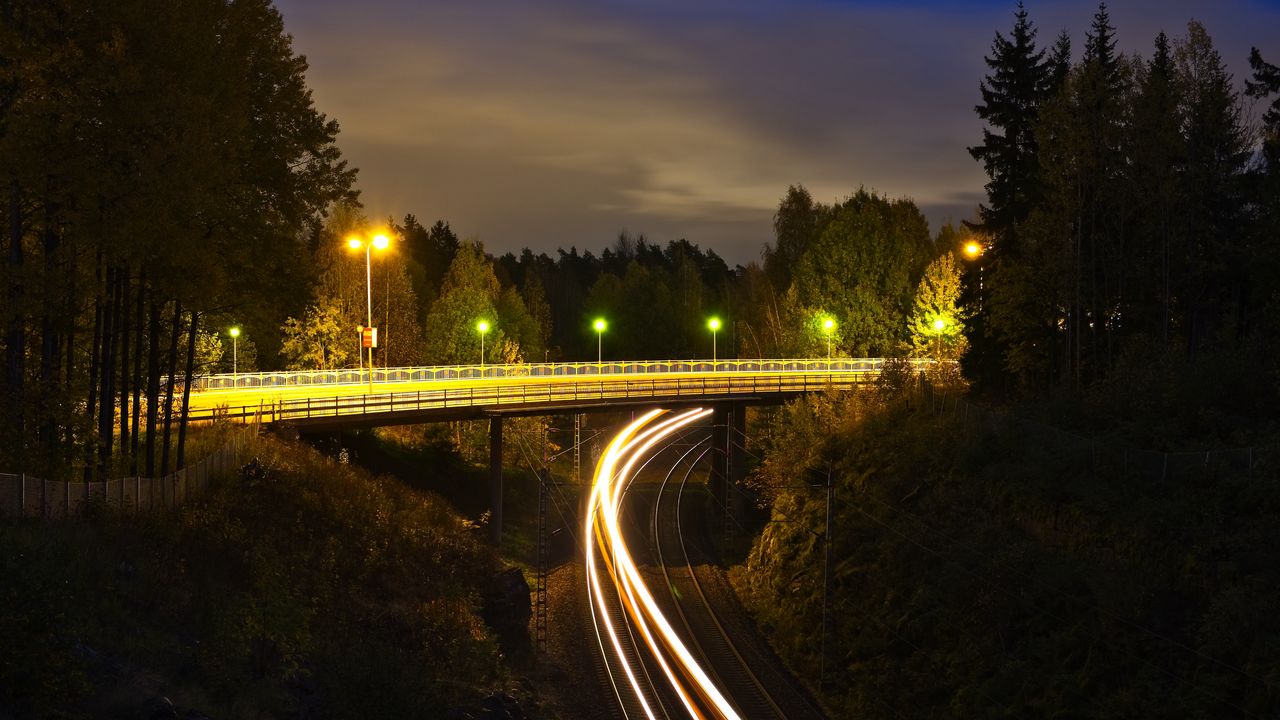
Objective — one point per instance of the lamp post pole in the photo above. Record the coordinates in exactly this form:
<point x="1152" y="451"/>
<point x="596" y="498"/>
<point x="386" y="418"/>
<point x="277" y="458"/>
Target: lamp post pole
<point x="714" y="324"/>
<point x="599" y="325"/>
<point x="483" y="327"/>
<point x="368" y="287"/>
<point x="380" y="241"/>
<point x="235" y="354"/>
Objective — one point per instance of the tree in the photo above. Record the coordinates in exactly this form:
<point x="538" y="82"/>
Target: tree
<point x="1214" y="263"/>
<point x="1265" y="83"/>
<point x="863" y="271"/>
<point x="937" y="321"/>
<point x="319" y="341"/>
<point x="138" y="136"/>
<point x="1011" y="96"/>
<point x="535" y="301"/>
<point x="468" y="294"/>
<point x="1156" y="155"/>
<point x="796" y="225"/>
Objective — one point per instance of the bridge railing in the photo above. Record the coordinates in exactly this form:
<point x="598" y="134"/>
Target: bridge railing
<point x="540" y="394"/>
<point x="545" y="370"/>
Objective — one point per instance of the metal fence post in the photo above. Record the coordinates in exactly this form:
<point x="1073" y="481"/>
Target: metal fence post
<point x="22" y="494"/>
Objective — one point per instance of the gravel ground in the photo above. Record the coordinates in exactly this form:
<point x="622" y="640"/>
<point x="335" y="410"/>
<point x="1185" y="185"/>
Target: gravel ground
<point x="569" y="677"/>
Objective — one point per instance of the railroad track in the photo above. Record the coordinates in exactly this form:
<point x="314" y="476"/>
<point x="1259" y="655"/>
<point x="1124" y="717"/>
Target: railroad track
<point x="754" y="681"/>
<point x="673" y="641"/>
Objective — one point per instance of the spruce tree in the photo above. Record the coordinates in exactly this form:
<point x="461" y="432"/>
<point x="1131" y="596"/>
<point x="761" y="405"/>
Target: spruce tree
<point x="1059" y="63"/>
<point x="1011" y="97"/>
<point x="1156" y="152"/>
<point x="1217" y="152"/>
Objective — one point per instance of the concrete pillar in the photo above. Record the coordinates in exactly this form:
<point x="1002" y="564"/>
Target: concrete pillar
<point x="720" y="456"/>
<point x="495" y="480"/>
<point x="737" y="469"/>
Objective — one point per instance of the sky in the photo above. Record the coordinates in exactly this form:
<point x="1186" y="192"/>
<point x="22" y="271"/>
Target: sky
<point x="560" y="123"/>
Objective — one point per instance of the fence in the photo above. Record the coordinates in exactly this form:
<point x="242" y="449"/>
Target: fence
<point x="352" y="376"/>
<point x="1105" y="454"/>
<point x="22" y="494"/>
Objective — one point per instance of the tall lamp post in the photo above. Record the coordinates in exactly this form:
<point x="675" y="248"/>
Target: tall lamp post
<point x="972" y="251"/>
<point x="235" y="352"/>
<point x="600" y="326"/>
<point x="714" y="325"/>
<point x="483" y="327"/>
<point x="828" y="327"/>
<point x="379" y="241"/>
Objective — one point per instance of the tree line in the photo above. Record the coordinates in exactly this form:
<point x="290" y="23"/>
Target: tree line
<point x="1131" y="206"/>
<point x="160" y="159"/>
<point x="867" y="263"/>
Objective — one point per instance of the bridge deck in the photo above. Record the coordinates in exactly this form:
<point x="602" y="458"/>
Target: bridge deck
<point x="390" y="403"/>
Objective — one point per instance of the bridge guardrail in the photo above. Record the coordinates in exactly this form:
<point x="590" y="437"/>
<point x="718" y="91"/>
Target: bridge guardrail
<point x="461" y="372"/>
<point x="533" y="394"/>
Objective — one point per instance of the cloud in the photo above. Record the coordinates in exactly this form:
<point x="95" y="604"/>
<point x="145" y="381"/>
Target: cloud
<point x="559" y="123"/>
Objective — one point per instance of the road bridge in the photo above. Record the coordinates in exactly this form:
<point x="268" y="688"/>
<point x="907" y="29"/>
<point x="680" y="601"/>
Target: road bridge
<point x="331" y="400"/>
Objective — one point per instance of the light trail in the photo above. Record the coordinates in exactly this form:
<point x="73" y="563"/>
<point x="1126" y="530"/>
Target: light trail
<point x="686" y="678"/>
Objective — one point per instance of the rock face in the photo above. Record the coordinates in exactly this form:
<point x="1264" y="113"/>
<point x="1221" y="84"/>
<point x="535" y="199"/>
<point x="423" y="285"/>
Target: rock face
<point x="506" y="605"/>
<point x="498" y="706"/>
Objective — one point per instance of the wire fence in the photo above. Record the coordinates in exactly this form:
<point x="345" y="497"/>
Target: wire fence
<point x="1107" y="455"/>
<point x="29" y="496"/>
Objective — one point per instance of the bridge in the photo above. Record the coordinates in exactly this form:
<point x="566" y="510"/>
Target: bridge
<point x="347" y="398"/>
<point x="330" y="400"/>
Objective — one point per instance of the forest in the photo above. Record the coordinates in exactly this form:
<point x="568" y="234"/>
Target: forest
<point x="166" y="177"/>
<point x="1130" y="204"/>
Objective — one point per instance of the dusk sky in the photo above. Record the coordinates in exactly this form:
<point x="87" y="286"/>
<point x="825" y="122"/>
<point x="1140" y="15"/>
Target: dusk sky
<point x="553" y="124"/>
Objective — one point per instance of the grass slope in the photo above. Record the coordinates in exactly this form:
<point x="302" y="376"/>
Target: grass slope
<point x="313" y="590"/>
<point x="982" y="575"/>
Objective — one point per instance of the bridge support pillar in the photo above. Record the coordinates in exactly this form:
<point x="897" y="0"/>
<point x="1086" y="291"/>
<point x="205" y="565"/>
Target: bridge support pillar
<point x="495" y="480"/>
<point x="737" y="470"/>
<point x="721" y="484"/>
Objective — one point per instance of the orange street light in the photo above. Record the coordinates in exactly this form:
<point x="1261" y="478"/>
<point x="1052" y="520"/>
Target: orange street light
<point x="379" y="241"/>
<point x="235" y="354"/>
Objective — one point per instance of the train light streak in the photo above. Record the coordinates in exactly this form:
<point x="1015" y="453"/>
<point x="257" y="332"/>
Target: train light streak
<point x="606" y="550"/>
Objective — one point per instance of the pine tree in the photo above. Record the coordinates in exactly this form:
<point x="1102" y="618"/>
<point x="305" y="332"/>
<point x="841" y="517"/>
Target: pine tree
<point x="1059" y="63"/>
<point x="1011" y="97"/>
<point x="1156" y="152"/>
<point x="1217" y="152"/>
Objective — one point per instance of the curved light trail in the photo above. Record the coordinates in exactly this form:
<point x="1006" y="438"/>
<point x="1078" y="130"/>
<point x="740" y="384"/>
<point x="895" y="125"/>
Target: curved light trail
<point x="609" y="562"/>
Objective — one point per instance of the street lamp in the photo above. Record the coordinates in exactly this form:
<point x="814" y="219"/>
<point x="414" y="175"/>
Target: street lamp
<point x="714" y="325"/>
<point x="938" y="326"/>
<point x="355" y="242"/>
<point x="483" y="327"/>
<point x="235" y="354"/>
<point x="972" y="251"/>
<point x="599" y="325"/>
<point x="828" y="327"/>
